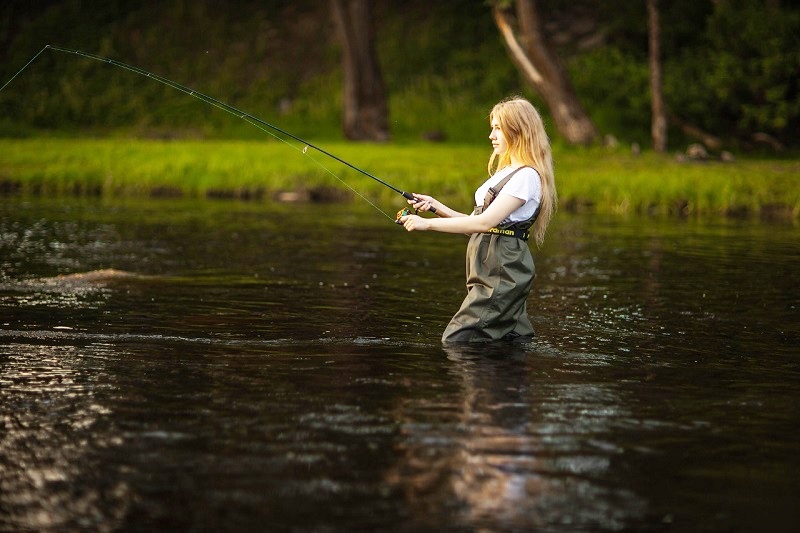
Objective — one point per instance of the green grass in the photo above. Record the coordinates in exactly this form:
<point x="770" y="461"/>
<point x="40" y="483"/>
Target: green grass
<point x="604" y="180"/>
<point x="621" y="182"/>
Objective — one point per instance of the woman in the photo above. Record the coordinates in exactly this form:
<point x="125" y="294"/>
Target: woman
<point x="519" y="196"/>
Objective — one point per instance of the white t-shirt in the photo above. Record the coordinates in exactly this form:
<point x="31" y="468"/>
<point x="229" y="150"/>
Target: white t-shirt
<point x="525" y="185"/>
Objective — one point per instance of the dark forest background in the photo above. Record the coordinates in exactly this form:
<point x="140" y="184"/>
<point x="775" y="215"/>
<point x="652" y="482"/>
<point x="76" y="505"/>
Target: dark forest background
<point x="731" y="68"/>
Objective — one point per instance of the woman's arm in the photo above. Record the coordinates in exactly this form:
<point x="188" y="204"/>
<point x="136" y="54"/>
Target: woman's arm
<point x="498" y="210"/>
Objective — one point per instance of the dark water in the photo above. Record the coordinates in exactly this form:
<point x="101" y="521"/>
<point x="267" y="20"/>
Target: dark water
<point x="274" y="367"/>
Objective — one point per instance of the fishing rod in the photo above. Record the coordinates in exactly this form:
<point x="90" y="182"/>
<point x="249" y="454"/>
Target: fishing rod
<point x="247" y="117"/>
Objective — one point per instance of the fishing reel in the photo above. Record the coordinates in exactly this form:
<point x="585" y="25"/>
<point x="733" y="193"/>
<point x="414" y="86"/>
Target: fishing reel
<point x="403" y="212"/>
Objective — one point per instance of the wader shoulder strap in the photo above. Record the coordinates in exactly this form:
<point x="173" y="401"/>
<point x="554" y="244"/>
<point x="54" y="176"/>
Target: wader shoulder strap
<point x="492" y="193"/>
<point x="517" y="229"/>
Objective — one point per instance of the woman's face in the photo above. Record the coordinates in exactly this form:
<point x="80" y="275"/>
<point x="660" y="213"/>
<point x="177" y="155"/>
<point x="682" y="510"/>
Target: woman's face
<point x="499" y="142"/>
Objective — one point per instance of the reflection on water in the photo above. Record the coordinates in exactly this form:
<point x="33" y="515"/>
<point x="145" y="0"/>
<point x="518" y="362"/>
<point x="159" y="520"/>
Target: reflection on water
<point x="51" y="409"/>
<point x="233" y="372"/>
<point x="509" y="447"/>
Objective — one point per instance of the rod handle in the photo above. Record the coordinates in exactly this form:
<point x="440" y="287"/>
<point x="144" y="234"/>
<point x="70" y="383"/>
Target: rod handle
<point x="409" y="196"/>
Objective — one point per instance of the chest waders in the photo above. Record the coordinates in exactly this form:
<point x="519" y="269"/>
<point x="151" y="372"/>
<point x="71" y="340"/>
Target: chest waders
<point x="500" y="273"/>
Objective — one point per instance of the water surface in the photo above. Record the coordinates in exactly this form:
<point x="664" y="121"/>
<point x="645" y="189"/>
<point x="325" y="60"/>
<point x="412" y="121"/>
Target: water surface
<point x="266" y="366"/>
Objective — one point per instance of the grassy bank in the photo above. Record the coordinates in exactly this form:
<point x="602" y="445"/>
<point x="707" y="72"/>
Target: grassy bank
<point x="597" y="178"/>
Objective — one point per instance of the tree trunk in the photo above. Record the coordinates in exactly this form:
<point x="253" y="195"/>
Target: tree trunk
<point x="543" y="70"/>
<point x="364" y="110"/>
<point x="658" y="124"/>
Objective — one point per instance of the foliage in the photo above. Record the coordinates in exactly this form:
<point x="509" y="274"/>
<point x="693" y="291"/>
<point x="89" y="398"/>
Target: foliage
<point x="730" y="67"/>
<point x="745" y="79"/>
<point x="616" y="87"/>
<point x="239" y="55"/>
<point x="449" y="75"/>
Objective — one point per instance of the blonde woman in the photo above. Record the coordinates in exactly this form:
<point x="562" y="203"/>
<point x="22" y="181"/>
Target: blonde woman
<point x="518" y="200"/>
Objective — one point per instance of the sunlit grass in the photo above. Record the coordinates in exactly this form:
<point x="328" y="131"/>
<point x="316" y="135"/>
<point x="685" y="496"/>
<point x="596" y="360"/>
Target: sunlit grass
<point x="653" y="182"/>
<point x="605" y="180"/>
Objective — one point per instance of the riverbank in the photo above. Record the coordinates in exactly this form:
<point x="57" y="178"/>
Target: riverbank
<point x="600" y="179"/>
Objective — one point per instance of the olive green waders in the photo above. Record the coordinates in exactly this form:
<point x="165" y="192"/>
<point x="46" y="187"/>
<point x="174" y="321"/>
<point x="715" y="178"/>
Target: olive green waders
<point x="500" y="273"/>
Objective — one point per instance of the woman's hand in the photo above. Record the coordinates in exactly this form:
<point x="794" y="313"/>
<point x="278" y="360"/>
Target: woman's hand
<point x="415" y="222"/>
<point x="423" y="202"/>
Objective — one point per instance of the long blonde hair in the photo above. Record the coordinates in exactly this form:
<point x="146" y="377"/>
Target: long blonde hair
<point x="528" y="142"/>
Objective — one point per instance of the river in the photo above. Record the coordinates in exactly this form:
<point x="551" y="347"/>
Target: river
<point x="220" y="365"/>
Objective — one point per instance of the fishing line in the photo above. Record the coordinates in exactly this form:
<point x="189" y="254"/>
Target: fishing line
<point x="247" y="117"/>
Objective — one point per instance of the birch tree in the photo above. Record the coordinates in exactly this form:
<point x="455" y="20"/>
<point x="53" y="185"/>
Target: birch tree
<point x="522" y="32"/>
